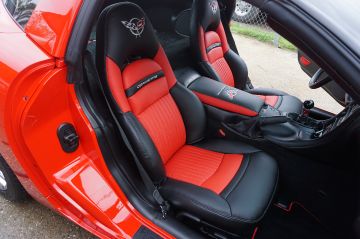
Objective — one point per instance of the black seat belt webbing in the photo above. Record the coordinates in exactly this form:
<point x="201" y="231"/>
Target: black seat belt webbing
<point x="149" y="184"/>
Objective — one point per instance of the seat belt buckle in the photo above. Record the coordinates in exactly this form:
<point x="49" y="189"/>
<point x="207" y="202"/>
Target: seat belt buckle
<point x="164" y="205"/>
<point x="164" y="209"/>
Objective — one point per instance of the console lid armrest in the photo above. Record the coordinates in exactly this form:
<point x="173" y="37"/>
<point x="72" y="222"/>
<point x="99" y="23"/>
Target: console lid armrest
<point x="219" y="95"/>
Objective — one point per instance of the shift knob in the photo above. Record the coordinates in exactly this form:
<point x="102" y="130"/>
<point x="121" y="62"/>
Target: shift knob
<point x="309" y="104"/>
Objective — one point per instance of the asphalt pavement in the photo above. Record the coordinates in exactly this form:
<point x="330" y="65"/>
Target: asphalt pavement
<point x="33" y="221"/>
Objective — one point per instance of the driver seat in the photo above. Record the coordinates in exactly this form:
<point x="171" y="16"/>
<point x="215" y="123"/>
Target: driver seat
<point x="217" y="61"/>
<point x="224" y="184"/>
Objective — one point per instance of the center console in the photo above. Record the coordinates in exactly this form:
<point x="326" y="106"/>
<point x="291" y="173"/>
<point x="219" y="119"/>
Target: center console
<point x="291" y="128"/>
<point x="242" y="115"/>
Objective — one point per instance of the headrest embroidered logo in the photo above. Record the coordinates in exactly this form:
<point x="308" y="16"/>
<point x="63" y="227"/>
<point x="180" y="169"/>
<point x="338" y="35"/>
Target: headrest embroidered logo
<point x="135" y="25"/>
<point x="214" y="6"/>
<point x="231" y="93"/>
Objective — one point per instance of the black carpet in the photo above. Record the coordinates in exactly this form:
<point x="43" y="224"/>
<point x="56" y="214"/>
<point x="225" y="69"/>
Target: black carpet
<point x="296" y="224"/>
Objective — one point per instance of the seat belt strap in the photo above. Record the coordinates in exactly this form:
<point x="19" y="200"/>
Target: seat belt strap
<point x="149" y="184"/>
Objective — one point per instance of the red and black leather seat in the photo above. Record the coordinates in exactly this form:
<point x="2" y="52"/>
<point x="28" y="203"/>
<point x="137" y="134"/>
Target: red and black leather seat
<point x="224" y="183"/>
<point x="217" y="61"/>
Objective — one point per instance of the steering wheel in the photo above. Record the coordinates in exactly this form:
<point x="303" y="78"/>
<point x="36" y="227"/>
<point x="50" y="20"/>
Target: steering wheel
<point x="319" y="79"/>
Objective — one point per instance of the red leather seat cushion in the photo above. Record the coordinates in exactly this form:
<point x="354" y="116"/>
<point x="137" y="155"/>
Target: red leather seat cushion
<point x="203" y="168"/>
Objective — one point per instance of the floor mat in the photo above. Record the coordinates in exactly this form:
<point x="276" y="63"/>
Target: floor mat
<point x="296" y="223"/>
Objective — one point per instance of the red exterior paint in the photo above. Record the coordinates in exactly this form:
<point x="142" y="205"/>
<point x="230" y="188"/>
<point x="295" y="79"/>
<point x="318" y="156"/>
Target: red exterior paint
<point x="16" y="63"/>
<point x="34" y="100"/>
<point x="7" y="24"/>
<point x="51" y="24"/>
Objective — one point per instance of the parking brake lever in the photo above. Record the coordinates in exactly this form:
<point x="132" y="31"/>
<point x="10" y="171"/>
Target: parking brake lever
<point x="252" y="127"/>
<point x="263" y="121"/>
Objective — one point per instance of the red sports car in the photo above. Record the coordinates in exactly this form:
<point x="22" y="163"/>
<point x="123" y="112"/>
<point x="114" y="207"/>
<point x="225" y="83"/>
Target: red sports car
<point x="139" y="120"/>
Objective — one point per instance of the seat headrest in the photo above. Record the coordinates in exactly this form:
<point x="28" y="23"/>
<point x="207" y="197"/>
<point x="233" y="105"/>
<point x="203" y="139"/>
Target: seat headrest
<point x="125" y="34"/>
<point x="207" y="14"/>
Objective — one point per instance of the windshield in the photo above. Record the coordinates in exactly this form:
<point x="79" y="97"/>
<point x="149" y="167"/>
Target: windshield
<point x="21" y="10"/>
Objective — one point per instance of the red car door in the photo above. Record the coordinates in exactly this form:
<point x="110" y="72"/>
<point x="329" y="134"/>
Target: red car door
<point x="45" y="136"/>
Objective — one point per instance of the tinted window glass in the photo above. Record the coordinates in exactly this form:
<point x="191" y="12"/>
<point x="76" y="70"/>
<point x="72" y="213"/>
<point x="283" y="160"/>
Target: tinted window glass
<point x="21" y="10"/>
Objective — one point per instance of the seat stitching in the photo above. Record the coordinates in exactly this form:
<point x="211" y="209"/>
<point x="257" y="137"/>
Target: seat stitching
<point x="215" y="170"/>
<point x="153" y="103"/>
<point x="242" y="176"/>
<point x="216" y="60"/>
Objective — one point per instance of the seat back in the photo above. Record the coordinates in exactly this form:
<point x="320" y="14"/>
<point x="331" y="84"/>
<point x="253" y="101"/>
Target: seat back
<point x="211" y="48"/>
<point x="138" y="79"/>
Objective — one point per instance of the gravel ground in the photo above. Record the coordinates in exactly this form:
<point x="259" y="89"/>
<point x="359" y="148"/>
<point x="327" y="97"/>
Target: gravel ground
<point x="268" y="67"/>
<point x="271" y="67"/>
<point x="32" y="220"/>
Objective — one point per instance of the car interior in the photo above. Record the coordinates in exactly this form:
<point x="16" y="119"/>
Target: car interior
<point x="166" y="86"/>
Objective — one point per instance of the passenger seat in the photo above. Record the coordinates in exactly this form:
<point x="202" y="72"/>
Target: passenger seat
<point x="217" y="61"/>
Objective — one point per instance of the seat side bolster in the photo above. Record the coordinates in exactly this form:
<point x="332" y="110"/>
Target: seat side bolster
<point x="209" y="71"/>
<point x="252" y="190"/>
<point x="192" y="111"/>
<point x="238" y="68"/>
<point x="192" y="198"/>
<point x="216" y="211"/>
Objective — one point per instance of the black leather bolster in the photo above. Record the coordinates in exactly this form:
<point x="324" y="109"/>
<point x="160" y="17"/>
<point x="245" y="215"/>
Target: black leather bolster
<point x="218" y="90"/>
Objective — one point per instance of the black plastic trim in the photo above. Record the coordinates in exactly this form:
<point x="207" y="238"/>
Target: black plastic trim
<point x="85" y="19"/>
<point x="68" y="137"/>
<point x="144" y="232"/>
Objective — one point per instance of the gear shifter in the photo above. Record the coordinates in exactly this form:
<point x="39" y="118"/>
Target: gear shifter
<point x="304" y="118"/>
<point x="308" y="105"/>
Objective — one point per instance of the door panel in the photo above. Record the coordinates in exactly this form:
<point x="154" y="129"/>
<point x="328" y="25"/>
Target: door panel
<point x="310" y="68"/>
<point x="78" y="183"/>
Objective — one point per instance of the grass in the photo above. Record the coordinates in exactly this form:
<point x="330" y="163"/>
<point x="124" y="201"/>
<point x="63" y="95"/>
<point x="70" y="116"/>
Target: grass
<point x="260" y="34"/>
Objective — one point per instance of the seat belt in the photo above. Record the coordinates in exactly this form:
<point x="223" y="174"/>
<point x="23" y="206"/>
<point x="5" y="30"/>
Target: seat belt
<point x="149" y="184"/>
